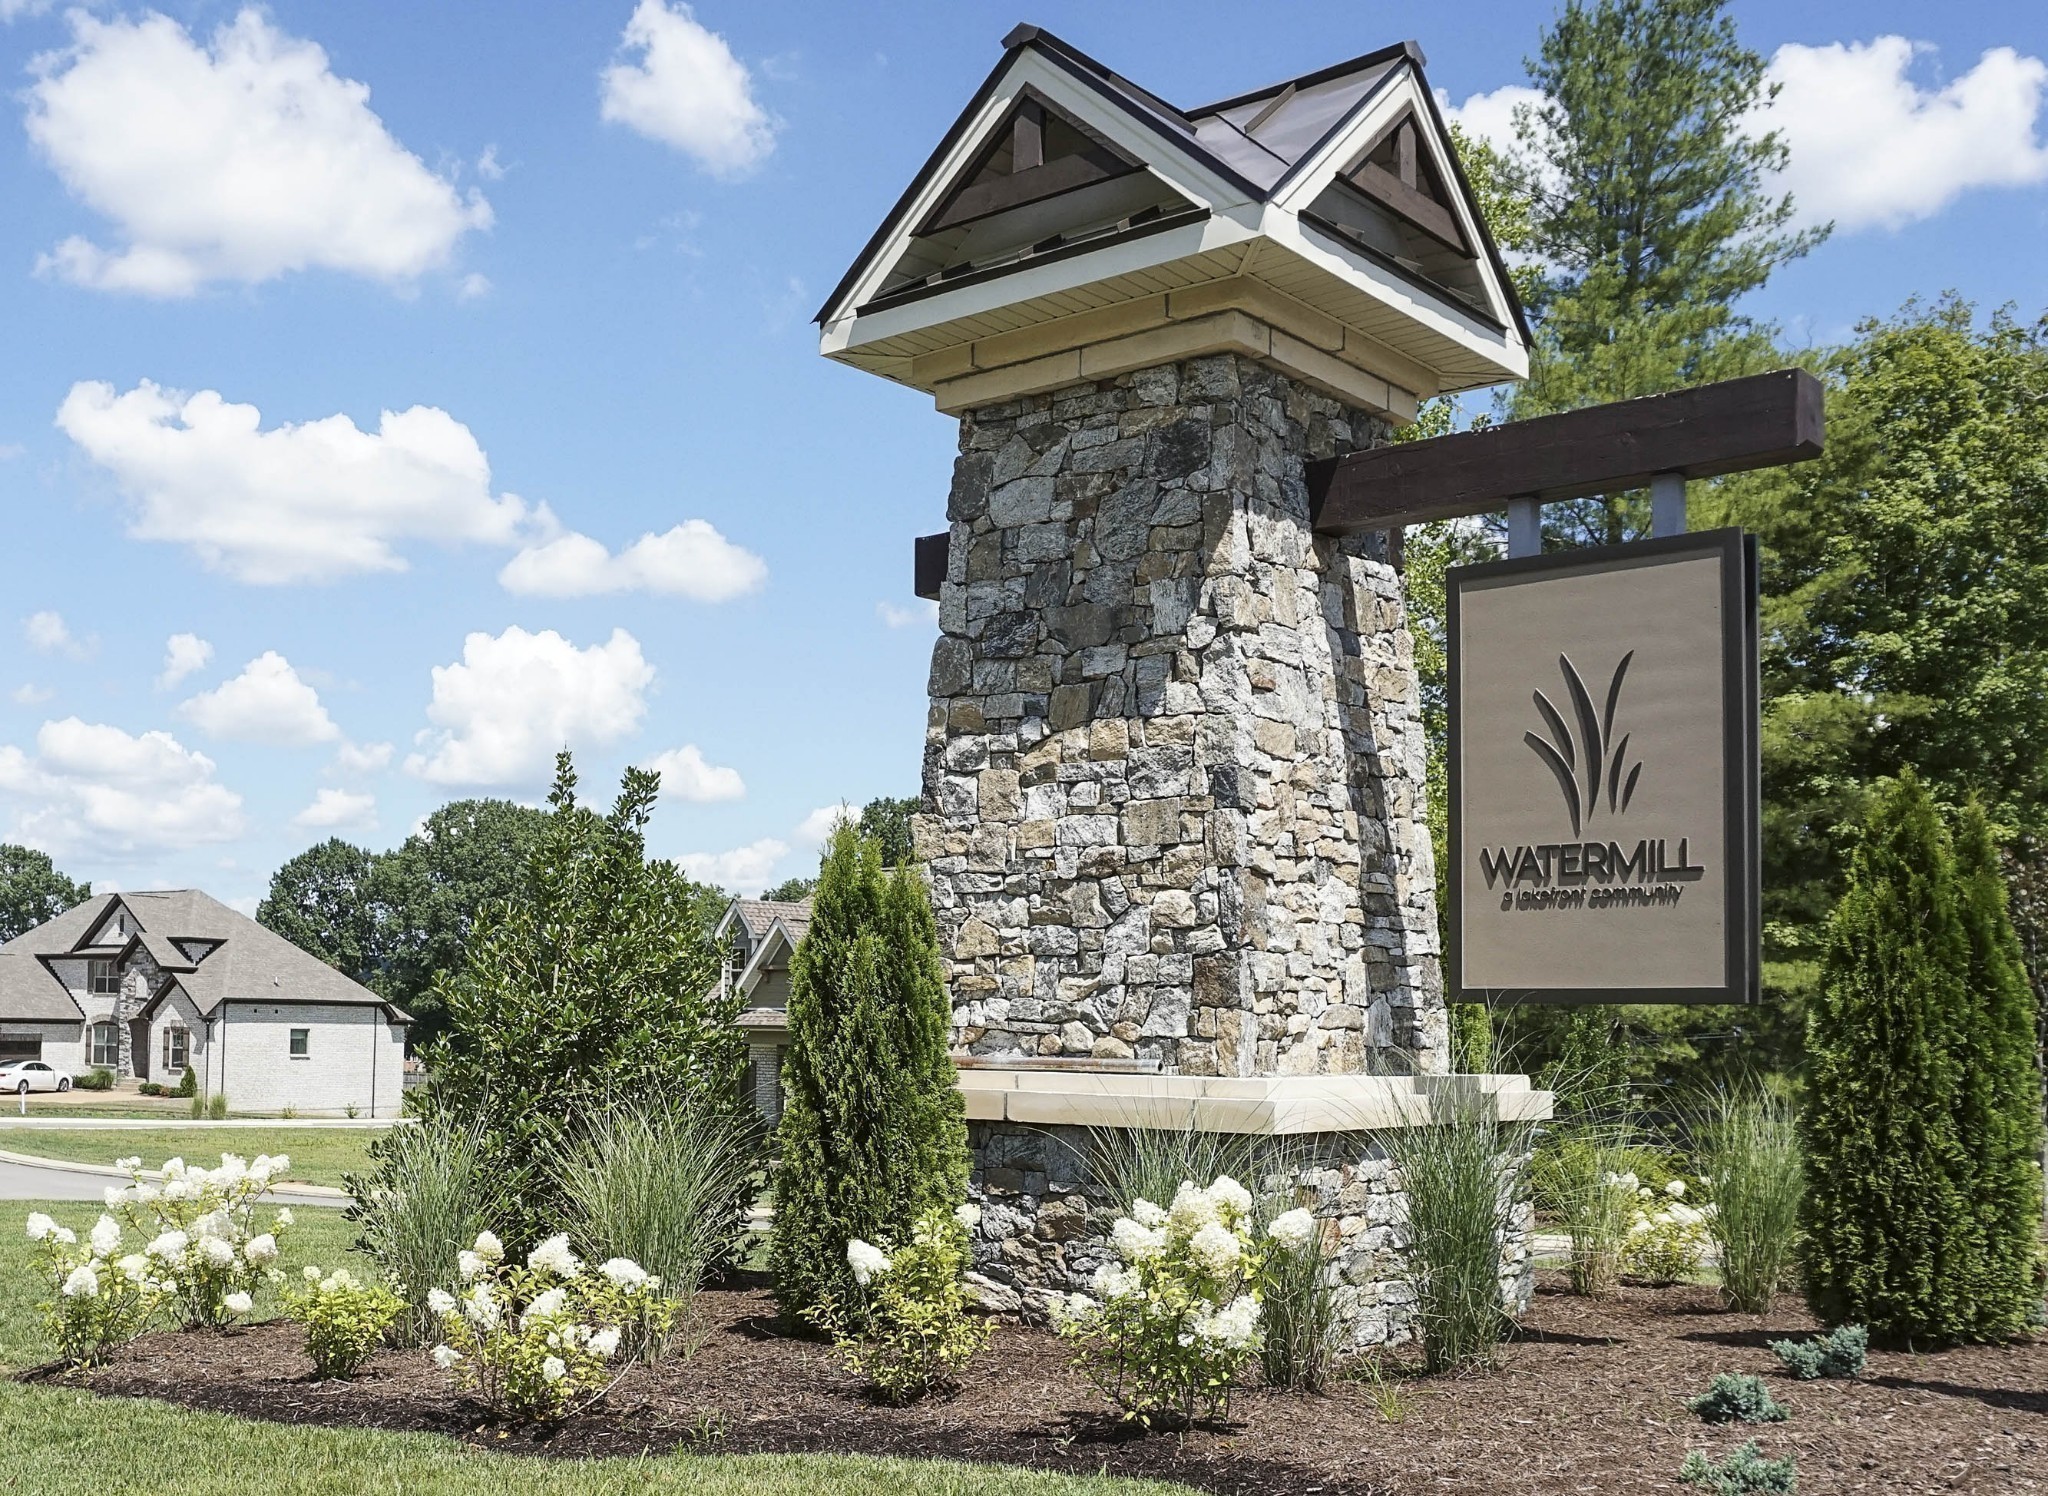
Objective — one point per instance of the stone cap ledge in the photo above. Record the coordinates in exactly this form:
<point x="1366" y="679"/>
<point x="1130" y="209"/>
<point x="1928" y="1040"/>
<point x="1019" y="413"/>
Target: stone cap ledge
<point x="1274" y="1105"/>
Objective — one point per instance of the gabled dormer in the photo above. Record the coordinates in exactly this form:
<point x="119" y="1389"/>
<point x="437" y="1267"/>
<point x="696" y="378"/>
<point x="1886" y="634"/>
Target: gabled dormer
<point x="1072" y="225"/>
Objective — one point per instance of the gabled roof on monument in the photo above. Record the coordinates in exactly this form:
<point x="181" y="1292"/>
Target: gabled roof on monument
<point x="1070" y="216"/>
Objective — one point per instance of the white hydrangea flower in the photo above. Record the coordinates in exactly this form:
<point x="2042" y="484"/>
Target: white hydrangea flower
<point x="1071" y="1309"/>
<point x="1135" y="1243"/>
<point x="115" y="1196"/>
<point x="547" y="1305"/>
<point x="605" y="1342"/>
<point x="40" y="1226"/>
<point x="969" y="1216"/>
<point x="866" y="1259"/>
<point x="310" y="1273"/>
<point x="339" y="1278"/>
<point x="1193" y="1208"/>
<point x="1147" y="1213"/>
<point x="1234" y="1327"/>
<point x="83" y="1283"/>
<point x="470" y="1265"/>
<point x="238" y="1303"/>
<point x="483" y="1308"/>
<point x="441" y="1301"/>
<point x="1216" y="1249"/>
<point x="488" y="1247"/>
<point x="554" y="1256"/>
<point x="64" y="1236"/>
<point x="1675" y="1189"/>
<point x="217" y="1251"/>
<point x="447" y="1357"/>
<point x="284" y="1217"/>
<point x="1113" y="1282"/>
<point x="134" y="1267"/>
<point x="168" y="1246"/>
<point x="214" y="1223"/>
<point x="1231" y="1196"/>
<point x="106" y="1235"/>
<point x="553" y="1369"/>
<point x="130" y="1164"/>
<point x="624" y="1272"/>
<point x="1293" y="1230"/>
<point x="261" y="1250"/>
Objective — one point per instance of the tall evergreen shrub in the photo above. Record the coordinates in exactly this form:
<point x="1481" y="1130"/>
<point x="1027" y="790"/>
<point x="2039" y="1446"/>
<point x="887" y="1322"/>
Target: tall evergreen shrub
<point x="873" y="1132"/>
<point x="1908" y="1119"/>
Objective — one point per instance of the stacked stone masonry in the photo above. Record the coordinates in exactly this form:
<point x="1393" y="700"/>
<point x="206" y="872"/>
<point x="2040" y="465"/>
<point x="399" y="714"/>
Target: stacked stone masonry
<point x="1174" y="762"/>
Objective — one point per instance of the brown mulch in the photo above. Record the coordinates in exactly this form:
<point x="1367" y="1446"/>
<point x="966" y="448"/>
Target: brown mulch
<point x="1590" y="1399"/>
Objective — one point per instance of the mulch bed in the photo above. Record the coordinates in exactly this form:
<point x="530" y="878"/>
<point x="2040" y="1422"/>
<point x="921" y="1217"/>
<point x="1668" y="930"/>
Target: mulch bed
<point x="1590" y="1399"/>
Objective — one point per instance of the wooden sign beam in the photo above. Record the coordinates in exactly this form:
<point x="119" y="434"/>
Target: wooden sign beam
<point x="1765" y="420"/>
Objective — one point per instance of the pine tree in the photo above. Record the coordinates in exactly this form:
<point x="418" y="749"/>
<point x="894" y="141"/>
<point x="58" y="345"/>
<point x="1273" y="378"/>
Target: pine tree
<point x="873" y="1131"/>
<point x="1893" y="1238"/>
<point x="1998" y="1113"/>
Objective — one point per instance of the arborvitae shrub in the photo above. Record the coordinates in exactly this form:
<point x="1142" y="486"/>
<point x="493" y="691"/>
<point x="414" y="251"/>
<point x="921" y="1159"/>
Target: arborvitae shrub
<point x="1839" y="1353"/>
<point x="1737" y="1397"/>
<point x="188" y="1083"/>
<point x="1894" y="1239"/>
<point x="873" y="1133"/>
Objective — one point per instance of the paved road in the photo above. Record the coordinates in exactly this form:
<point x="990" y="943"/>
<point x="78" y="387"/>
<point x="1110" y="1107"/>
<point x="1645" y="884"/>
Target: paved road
<point x="19" y="1181"/>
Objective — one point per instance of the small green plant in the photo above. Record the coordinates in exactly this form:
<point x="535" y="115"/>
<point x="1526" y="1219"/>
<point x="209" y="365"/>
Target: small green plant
<point x="1299" y="1304"/>
<point x="198" y="1107"/>
<point x="345" y="1318"/>
<point x="1385" y="1393"/>
<point x="352" y="1111"/>
<point x="1744" y="1471"/>
<point x="98" y="1079"/>
<point x="914" y="1332"/>
<point x="188" y="1083"/>
<point x="217" y="1107"/>
<point x="1839" y="1353"/>
<point x="151" y="1088"/>
<point x="1737" y="1397"/>
<point x="290" y="1114"/>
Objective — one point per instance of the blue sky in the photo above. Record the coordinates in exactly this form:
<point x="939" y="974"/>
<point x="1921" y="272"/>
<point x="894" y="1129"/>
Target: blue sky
<point x="619" y="500"/>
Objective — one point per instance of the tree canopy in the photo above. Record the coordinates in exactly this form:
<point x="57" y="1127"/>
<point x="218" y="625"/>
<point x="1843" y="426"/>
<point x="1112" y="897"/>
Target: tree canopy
<point x="32" y="891"/>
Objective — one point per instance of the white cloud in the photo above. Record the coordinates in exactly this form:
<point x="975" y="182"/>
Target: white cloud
<point x="183" y="654"/>
<point x="678" y="83"/>
<point x="266" y="703"/>
<point x="488" y="166"/>
<point x="48" y="633"/>
<point x="296" y="503"/>
<point x="685" y="775"/>
<point x="922" y="611"/>
<point x="362" y="758"/>
<point x="332" y="809"/>
<point x="1870" y="148"/>
<point x="31" y="694"/>
<point x="1491" y="116"/>
<point x="96" y="790"/>
<point x="474" y="286"/>
<point x="690" y="560"/>
<point x="746" y="869"/>
<point x="819" y="824"/>
<point x="503" y="710"/>
<point x="239" y="160"/>
<point x="14" y="9"/>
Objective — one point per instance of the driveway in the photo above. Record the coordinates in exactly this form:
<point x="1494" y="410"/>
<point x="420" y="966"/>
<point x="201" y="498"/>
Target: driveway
<point x="26" y="1179"/>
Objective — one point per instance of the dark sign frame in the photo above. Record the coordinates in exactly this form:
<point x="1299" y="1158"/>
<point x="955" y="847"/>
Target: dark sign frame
<point x="1742" y="781"/>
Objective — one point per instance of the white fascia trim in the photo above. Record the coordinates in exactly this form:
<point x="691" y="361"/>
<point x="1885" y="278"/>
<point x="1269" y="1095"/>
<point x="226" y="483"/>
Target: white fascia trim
<point x="1023" y="284"/>
<point x="1377" y="111"/>
<point x="1178" y="170"/>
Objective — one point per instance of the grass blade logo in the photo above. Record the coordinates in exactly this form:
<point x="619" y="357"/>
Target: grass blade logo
<point x="1591" y="754"/>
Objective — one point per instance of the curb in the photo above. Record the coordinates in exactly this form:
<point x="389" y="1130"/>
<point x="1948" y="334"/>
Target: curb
<point x="304" y="1194"/>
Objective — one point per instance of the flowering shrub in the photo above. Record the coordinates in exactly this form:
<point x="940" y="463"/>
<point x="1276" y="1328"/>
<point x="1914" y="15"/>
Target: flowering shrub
<point x="200" y="1228"/>
<point x="1667" y="1238"/>
<point x="540" y="1342"/>
<point x="1177" y="1316"/>
<point x="100" y="1296"/>
<point x="914" y="1331"/>
<point x="344" y="1319"/>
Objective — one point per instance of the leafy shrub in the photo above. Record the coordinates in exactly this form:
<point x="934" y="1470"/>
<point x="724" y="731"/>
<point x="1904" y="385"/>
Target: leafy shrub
<point x="1744" y="1471"/>
<point x="1177" y="1316"/>
<point x="1298" y="1302"/>
<point x="1839" y="1353"/>
<point x="100" y="1078"/>
<point x="188" y="1083"/>
<point x="1749" y="1158"/>
<point x="217" y="1107"/>
<point x="666" y="1186"/>
<point x="914" y="1333"/>
<point x="99" y="1296"/>
<point x="1464" y="1172"/>
<point x="538" y="1342"/>
<point x="151" y="1088"/>
<point x="874" y="1134"/>
<point x="1667" y="1238"/>
<point x="1737" y="1397"/>
<point x="200" y="1226"/>
<point x="344" y="1319"/>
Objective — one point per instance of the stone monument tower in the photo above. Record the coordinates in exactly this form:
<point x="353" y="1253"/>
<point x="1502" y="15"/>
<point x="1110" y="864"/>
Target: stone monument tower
<point x="1173" y="779"/>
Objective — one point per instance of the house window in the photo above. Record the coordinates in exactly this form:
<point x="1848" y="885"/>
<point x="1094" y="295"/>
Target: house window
<point x="106" y="1046"/>
<point x="302" y="1043"/>
<point x="177" y="1050"/>
<point x="103" y="980"/>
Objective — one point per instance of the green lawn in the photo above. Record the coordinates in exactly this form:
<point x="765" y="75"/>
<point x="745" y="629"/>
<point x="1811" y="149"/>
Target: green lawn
<point x="318" y="1155"/>
<point x="56" y="1441"/>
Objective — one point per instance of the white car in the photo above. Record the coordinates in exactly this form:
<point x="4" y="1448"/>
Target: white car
<point x="24" y="1076"/>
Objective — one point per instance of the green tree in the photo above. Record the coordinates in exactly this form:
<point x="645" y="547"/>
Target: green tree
<point x="873" y="1130"/>
<point x="887" y="823"/>
<point x="791" y="890"/>
<point x="32" y="891"/>
<point x="320" y="902"/>
<point x="597" y="984"/>
<point x="1893" y="1239"/>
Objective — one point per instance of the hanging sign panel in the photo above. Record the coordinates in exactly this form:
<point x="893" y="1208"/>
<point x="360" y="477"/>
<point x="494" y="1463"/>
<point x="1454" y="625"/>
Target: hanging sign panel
<point x="1604" y="776"/>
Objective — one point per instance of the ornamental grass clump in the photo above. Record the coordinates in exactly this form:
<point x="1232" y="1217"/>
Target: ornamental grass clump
<point x="1746" y="1144"/>
<point x="1176" y="1317"/>
<point x="1743" y="1472"/>
<point x="1737" y="1397"/>
<point x="1838" y="1354"/>
<point x="1586" y="1179"/>
<point x="344" y="1318"/>
<point x="539" y="1342"/>
<point x="201" y="1235"/>
<point x="433" y="1188"/>
<point x="1298" y="1302"/>
<point x="1667" y="1237"/>
<point x="100" y="1296"/>
<point x="913" y="1332"/>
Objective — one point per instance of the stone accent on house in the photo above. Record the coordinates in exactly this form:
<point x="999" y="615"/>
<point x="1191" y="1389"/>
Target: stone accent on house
<point x="1174" y="760"/>
<point x="1045" y="1222"/>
